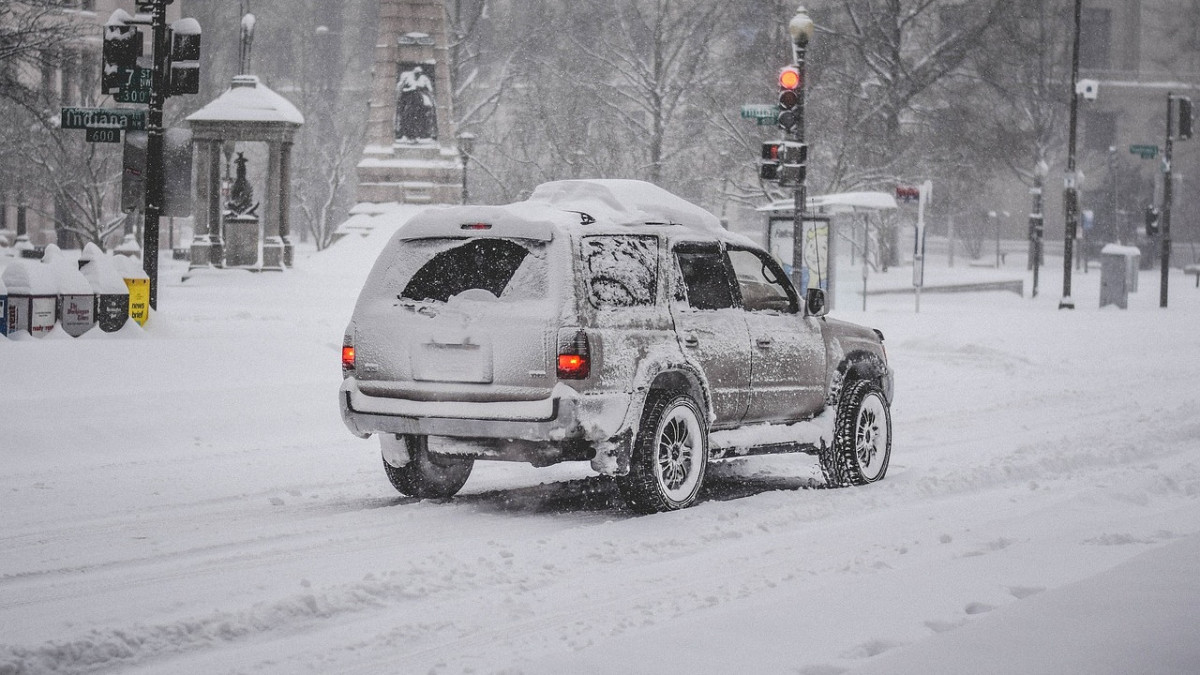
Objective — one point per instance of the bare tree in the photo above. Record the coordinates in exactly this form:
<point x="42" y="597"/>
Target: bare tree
<point x="33" y="37"/>
<point x="77" y="183"/>
<point x="322" y="198"/>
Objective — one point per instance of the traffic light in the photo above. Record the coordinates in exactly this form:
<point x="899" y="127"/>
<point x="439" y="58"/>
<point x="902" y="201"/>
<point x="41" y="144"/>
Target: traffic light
<point x="185" y="57"/>
<point x="1152" y="221"/>
<point x="122" y="46"/>
<point x="1185" y="118"/>
<point x="790" y="84"/>
<point x="794" y="167"/>
<point x="768" y="167"/>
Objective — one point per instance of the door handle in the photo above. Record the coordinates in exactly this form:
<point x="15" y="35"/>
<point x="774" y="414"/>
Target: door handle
<point x="690" y="340"/>
<point x="764" y="342"/>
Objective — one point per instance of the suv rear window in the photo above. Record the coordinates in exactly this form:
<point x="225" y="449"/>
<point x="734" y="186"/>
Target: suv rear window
<point x="622" y="270"/>
<point x="439" y="269"/>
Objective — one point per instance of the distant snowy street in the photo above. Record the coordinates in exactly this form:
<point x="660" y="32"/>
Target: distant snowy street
<point x="186" y="499"/>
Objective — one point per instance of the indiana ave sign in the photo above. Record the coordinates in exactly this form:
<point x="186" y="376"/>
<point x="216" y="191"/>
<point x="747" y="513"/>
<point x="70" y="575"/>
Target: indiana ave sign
<point x="86" y="118"/>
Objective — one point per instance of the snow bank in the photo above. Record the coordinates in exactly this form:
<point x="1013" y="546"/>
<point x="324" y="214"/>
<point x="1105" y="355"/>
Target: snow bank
<point x="25" y="277"/>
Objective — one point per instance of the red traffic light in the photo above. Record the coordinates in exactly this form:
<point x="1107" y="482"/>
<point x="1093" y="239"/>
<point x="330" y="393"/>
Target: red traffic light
<point x="789" y="78"/>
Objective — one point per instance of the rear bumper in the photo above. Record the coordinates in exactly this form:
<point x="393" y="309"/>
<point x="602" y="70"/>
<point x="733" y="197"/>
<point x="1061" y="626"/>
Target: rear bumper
<point x="564" y="416"/>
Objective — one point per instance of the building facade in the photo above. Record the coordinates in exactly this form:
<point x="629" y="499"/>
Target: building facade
<point x="1139" y="52"/>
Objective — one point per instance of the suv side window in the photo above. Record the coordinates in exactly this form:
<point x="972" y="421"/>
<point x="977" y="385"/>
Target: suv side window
<point x="622" y="270"/>
<point x="761" y="282"/>
<point x="707" y="277"/>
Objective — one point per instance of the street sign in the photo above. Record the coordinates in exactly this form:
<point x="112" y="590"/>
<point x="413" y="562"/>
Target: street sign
<point x="764" y="114"/>
<point x="86" y="118"/>
<point x="103" y="134"/>
<point x="135" y="85"/>
<point x="1144" y="151"/>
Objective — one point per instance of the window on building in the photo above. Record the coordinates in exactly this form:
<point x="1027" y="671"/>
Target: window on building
<point x="1099" y="130"/>
<point x="1095" y="32"/>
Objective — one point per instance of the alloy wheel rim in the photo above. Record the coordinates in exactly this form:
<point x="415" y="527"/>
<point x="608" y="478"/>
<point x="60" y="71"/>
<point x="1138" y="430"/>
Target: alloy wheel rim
<point x="871" y="437"/>
<point x="679" y="445"/>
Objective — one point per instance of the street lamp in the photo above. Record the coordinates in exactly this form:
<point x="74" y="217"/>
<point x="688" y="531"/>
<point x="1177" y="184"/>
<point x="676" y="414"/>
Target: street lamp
<point x="996" y="217"/>
<point x="801" y="29"/>
<point x="466" y="143"/>
<point x="1070" y="181"/>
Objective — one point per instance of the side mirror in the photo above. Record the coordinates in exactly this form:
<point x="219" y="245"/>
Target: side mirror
<point x="814" y="302"/>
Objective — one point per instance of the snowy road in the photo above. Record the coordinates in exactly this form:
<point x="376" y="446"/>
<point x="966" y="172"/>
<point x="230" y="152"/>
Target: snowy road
<point x="188" y="501"/>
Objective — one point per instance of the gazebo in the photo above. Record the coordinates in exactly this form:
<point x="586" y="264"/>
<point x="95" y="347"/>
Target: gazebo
<point x="248" y="111"/>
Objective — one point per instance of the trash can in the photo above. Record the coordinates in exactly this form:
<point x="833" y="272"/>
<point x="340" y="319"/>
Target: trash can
<point x="138" y="283"/>
<point x="32" y="297"/>
<point x="3" y="308"/>
<point x="76" y="299"/>
<point x="112" y="295"/>
<point x="1118" y="274"/>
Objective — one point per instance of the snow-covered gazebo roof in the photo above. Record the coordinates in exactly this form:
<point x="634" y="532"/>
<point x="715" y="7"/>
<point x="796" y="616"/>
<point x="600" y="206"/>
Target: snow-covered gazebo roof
<point x="248" y="111"/>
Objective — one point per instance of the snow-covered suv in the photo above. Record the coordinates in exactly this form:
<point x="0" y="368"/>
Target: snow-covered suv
<point x="606" y="321"/>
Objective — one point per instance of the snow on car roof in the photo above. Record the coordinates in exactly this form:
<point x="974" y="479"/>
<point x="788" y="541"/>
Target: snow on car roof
<point x="566" y="204"/>
<point x="625" y="202"/>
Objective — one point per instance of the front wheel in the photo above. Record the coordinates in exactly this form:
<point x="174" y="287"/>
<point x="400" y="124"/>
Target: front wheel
<point x="862" y="441"/>
<point x="426" y="475"/>
<point x="669" y="456"/>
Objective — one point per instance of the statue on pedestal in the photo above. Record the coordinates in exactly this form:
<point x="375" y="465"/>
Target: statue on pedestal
<point x="416" y="111"/>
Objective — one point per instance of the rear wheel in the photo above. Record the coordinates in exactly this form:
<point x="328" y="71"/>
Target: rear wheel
<point x="426" y="475"/>
<point x="669" y="456"/>
<point x="862" y="442"/>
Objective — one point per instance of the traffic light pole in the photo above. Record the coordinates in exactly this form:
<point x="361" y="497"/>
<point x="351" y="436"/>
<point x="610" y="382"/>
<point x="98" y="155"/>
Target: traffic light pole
<point x="1165" y="220"/>
<point x="800" y="194"/>
<point x="1071" y="191"/>
<point x="154" y="147"/>
<point x="801" y="29"/>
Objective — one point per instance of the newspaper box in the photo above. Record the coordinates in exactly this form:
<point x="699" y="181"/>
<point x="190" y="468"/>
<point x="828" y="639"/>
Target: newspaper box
<point x="76" y="299"/>
<point x="112" y="295"/>
<point x="138" y="283"/>
<point x="32" y="297"/>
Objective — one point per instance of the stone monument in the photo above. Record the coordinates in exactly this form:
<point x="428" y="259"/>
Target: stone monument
<point x="411" y="157"/>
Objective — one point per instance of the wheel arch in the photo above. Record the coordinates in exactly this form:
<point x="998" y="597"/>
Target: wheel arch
<point x="860" y="364"/>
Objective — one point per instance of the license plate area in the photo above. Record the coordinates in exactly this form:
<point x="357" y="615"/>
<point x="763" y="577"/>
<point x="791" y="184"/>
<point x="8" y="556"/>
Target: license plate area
<point x="452" y="362"/>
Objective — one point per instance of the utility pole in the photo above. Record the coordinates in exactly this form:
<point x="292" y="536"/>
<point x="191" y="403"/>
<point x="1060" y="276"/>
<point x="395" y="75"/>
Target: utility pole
<point x="1071" y="187"/>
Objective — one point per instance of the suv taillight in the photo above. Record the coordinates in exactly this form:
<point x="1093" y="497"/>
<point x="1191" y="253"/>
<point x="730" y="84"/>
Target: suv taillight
<point x="574" y="357"/>
<point x="347" y="358"/>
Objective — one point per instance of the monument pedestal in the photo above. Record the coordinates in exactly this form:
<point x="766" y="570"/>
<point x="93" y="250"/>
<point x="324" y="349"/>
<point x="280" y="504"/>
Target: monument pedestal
<point x="241" y="241"/>
<point x="410" y="173"/>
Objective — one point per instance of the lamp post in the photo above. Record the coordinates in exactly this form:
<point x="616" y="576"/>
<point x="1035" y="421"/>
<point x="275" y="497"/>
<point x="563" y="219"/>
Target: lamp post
<point x="801" y="29"/>
<point x="466" y="143"/>
<point x="996" y="216"/>
<point x="1071" y="187"/>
